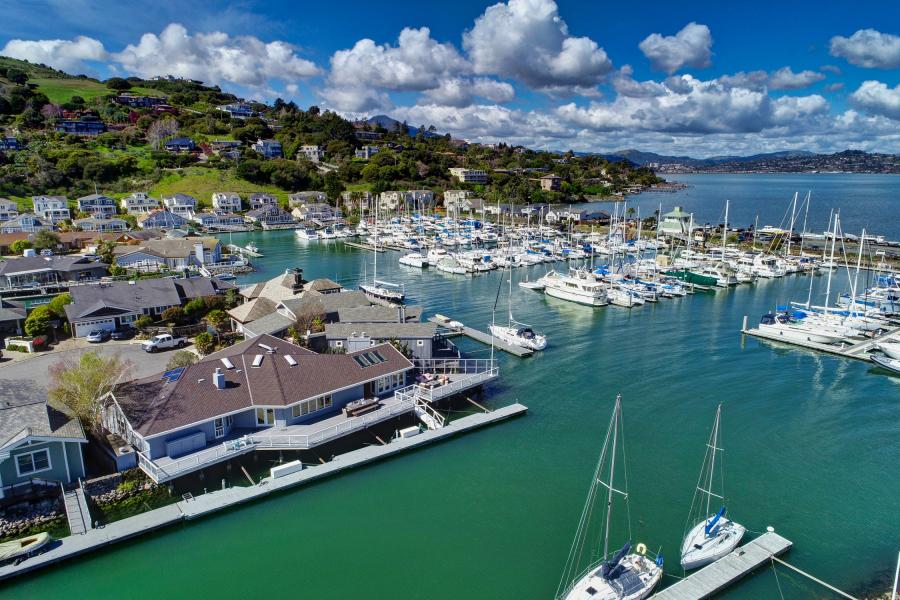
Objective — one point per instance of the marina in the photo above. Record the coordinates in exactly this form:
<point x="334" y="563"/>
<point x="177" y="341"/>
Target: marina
<point x="788" y="408"/>
<point x="455" y="328"/>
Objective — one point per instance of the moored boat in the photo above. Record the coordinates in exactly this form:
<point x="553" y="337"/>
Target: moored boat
<point x="23" y="547"/>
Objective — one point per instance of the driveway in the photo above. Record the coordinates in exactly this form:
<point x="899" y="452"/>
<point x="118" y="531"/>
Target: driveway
<point x="35" y="368"/>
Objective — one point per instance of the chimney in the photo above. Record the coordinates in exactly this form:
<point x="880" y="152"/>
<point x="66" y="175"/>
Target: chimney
<point x="219" y="379"/>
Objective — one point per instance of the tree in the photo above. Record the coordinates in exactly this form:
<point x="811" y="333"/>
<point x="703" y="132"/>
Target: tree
<point x="161" y="130"/>
<point x="106" y="251"/>
<point x="195" y="308"/>
<point x="81" y="383"/>
<point x="46" y="240"/>
<point x="181" y="358"/>
<point x="38" y="321"/>
<point x="19" y="246"/>
<point x="205" y="343"/>
<point x="57" y="305"/>
<point x="16" y="75"/>
<point x="174" y="315"/>
<point x="333" y="185"/>
<point x="217" y="318"/>
<point x="119" y="84"/>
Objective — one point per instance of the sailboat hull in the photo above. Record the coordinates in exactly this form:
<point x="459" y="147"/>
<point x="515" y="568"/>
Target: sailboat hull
<point x="699" y="550"/>
<point x="636" y="583"/>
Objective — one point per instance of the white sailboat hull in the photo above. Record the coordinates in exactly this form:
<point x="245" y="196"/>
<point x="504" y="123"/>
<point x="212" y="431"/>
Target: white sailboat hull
<point x="642" y="571"/>
<point x="890" y="349"/>
<point x="698" y="550"/>
<point x="589" y="300"/>
<point x="796" y="334"/>
<point x="509" y="335"/>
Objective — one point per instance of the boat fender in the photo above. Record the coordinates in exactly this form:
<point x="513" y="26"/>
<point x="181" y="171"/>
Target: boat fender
<point x="659" y="560"/>
<point x="641" y="549"/>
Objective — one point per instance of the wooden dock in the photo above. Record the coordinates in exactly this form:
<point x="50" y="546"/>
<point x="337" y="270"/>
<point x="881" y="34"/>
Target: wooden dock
<point x="243" y="251"/>
<point x="362" y="246"/>
<point x="717" y="576"/>
<point x="483" y="337"/>
<point x="857" y="349"/>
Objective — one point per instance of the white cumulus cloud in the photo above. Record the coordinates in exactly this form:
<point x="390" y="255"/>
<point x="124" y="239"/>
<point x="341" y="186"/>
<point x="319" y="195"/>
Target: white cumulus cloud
<point x="527" y="40"/>
<point x="461" y="92"/>
<point x="67" y="55"/>
<point x="877" y="98"/>
<point x="868" y="48"/>
<point x="692" y="47"/>
<point x="214" y="58"/>
<point x="785" y="79"/>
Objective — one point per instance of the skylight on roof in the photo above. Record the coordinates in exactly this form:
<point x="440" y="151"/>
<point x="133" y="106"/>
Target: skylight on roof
<point x="257" y="361"/>
<point x="290" y="360"/>
<point x="227" y="362"/>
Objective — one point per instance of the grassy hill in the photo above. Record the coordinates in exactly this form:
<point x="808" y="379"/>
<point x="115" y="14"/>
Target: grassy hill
<point x="201" y="183"/>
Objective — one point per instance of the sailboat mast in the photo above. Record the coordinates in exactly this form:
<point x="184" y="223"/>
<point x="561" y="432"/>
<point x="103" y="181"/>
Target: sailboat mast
<point x="837" y="218"/>
<point x="805" y="216"/>
<point x="612" y="471"/>
<point x="725" y="230"/>
<point x="862" y="242"/>
<point x="712" y="462"/>
<point x="791" y="230"/>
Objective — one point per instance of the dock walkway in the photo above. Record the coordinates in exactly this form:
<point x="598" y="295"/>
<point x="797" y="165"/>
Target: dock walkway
<point x="717" y="576"/>
<point x="858" y="350"/>
<point x="77" y="513"/>
<point x="485" y="338"/>
<point x="94" y="539"/>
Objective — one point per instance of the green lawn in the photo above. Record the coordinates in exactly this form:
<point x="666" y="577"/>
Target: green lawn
<point x="201" y="183"/>
<point x="62" y="90"/>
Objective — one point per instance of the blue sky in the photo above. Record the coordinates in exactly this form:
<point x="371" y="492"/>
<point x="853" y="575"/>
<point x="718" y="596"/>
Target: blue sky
<point x="703" y="79"/>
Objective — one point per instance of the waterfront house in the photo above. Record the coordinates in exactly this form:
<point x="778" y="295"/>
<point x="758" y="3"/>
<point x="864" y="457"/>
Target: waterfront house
<point x="226" y="201"/>
<point x="38" y="440"/>
<point x="268" y="148"/>
<point x="264" y="315"/>
<point x="25" y="223"/>
<point x="87" y="125"/>
<point x="180" y="204"/>
<point x="161" y="219"/>
<point x="262" y="386"/>
<point x="269" y="216"/>
<point x="311" y="153"/>
<point x="111" y="305"/>
<point x="173" y="254"/>
<point x="36" y="271"/>
<point x="219" y="220"/>
<point x="51" y="208"/>
<point x="180" y="145"/>
<point x="299" y="198"/>
<point x="260" y="299"/>
<point x="318" y="211"/>
<point x="261" y="199"/>
<point x="97" y="205"/>
<point x="100" y="224"/>
<point x="360" y="200"/>
<point x="237" y="110"/>
<point x="139" y="203"/>
<point x="8" y="209"/>
<point x="469" y="175"/>
<point x="416" y="339"/>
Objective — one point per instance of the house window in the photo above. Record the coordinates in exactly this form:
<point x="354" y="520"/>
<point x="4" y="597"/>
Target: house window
<point x="33" y="462"/>
<point x="310" y="406"/>
<point x="339" y="343"/>
<point x="265" y="416"/>
<point x="222" y="425"/>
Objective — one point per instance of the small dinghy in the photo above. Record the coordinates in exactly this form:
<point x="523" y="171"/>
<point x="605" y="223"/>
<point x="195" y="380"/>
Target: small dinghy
<point x="23" y="547"/>
<point x="532" y="285"/>
<point x="891" y="364"/>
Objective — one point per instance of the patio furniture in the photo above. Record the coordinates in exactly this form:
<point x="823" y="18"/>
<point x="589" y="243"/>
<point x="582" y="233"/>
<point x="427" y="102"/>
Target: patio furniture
<point x="359" y="407"/>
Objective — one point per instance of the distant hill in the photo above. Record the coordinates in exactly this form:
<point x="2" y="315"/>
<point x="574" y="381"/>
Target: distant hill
<point x="639" y="157"/>
<point x="391" y="124"/>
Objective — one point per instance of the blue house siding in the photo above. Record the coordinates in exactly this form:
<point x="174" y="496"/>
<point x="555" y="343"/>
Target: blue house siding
<point x="66" y="463"/>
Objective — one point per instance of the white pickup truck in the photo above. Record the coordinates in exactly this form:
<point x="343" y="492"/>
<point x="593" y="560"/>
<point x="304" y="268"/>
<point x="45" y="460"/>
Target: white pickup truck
<point x="162" y="342"/>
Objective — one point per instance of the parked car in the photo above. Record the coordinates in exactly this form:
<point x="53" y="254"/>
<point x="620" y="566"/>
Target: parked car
<point x="163" y="341"/>
<point x="98" y="335"/>
<point x="123" y="332"/>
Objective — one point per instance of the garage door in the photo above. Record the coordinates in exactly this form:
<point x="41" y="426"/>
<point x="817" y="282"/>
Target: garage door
<point x="186" y="444"/>
<point x="82" y="328"/>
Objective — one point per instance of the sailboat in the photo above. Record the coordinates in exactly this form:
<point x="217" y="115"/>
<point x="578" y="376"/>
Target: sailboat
<point x="715" y="535"/>
<point x="380" y="291"/>
<point x="515" y="333"/>
<point x="625" y="575"/>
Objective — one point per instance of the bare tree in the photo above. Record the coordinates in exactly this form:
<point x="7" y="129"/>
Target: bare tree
<point x="161" y="130"/>
<point x="51" y="111"/>
<point x="81" y="383"/>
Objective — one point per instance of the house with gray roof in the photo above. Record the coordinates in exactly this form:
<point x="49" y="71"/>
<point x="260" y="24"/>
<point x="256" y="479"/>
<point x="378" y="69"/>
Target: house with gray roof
<point x="173" y="254"/>
<point x="35" y="271"/>
<point x="97" y="205"/>
<point x="418" y="338"/>
<point x="38" y="440"/>
<point x="225" y="404"/>
<point x="25" y="223"/>
<point x="9" y="209"/>
<point x="101" y="224"/>
<point x="111" y="305"/>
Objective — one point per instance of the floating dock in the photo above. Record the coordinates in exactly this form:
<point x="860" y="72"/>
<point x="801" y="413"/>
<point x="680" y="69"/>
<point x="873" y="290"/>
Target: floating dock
<point x="850" y="349"/>
<point x="717" y="576"/>
<point x="200" y="506"/>
<point x="363" y="246"/>
<point x="481" y="336"/>
<point x="243" y="251"/>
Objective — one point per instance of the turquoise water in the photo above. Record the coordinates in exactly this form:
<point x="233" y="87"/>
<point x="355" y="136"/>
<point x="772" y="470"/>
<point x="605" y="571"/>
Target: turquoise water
<point x="870" y="201"/>
<point x="812" y="446"/>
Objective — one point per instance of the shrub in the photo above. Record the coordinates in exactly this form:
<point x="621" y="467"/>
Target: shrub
<point x="173" y="315"/>
<point x="196" y="308"/>
<point x="205" y="343"/>
<point x="217" y="318"/>
<point x="38" y="321"/>
<point x="181" y="358"/>
<point x="19" y="246"/>
<point x="57" y="305"/>
<point x="17" y="348"/>
<point x="143" y="322"/>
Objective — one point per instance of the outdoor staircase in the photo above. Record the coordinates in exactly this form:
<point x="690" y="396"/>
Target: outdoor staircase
<point x="77" y="511"/>
<point x="428" y="415"/>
